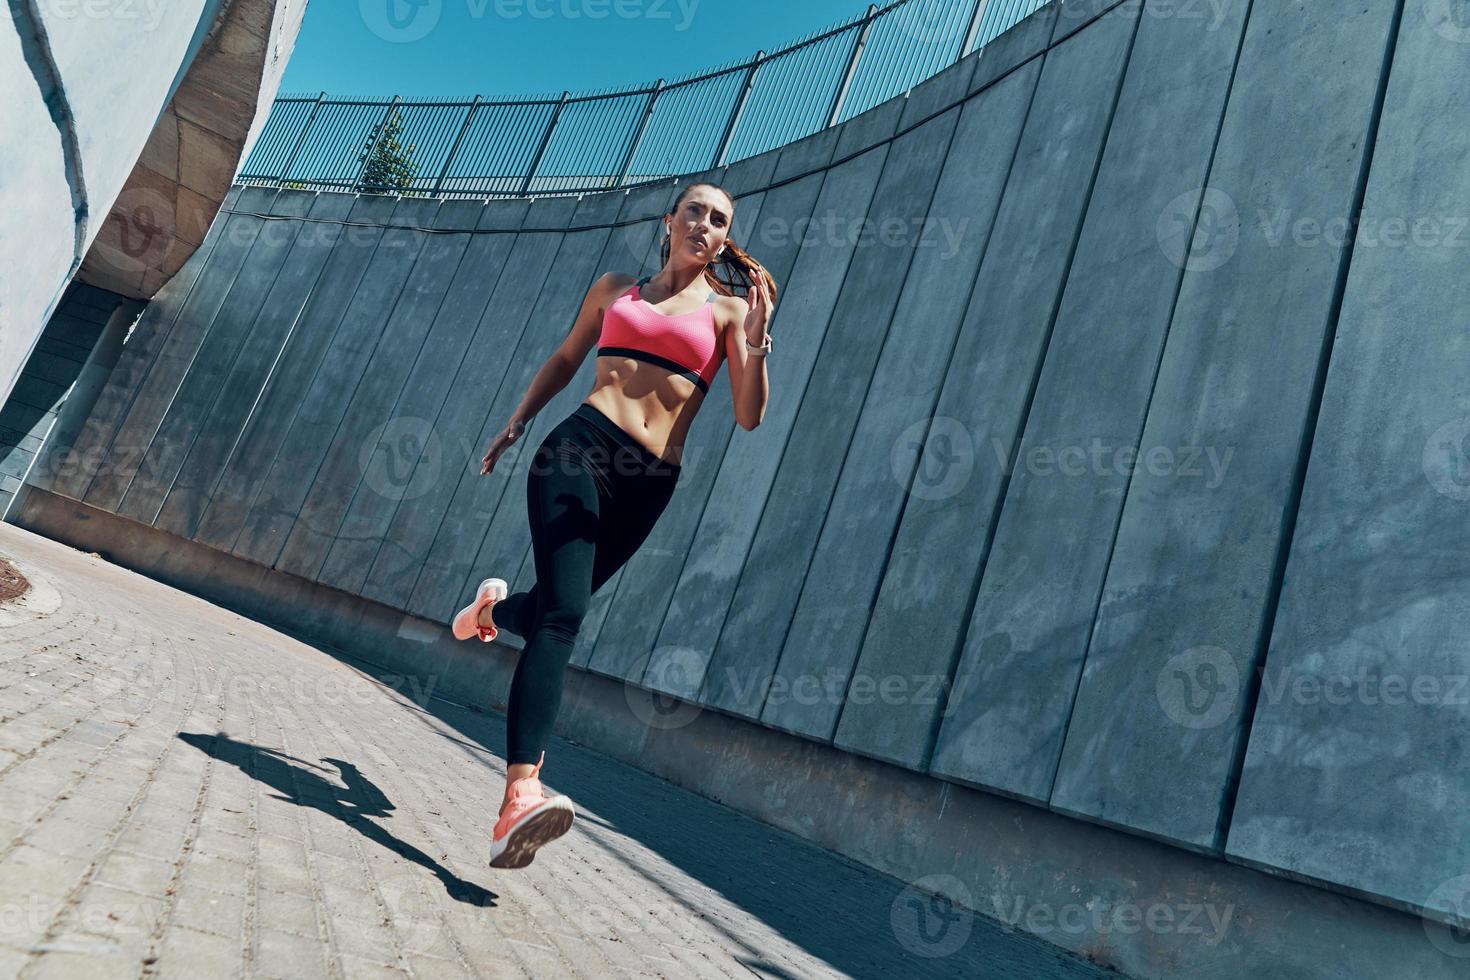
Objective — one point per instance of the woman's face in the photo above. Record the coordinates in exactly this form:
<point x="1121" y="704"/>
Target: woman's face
<point x="699" y="226"/>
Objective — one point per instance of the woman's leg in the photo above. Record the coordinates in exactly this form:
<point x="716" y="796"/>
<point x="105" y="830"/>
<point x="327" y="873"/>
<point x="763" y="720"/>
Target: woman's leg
<point x="563" y="508"/>
<point x="622" y="520"/>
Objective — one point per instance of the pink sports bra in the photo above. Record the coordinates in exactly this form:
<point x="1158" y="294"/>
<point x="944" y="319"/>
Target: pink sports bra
<point x="685" y="342"/>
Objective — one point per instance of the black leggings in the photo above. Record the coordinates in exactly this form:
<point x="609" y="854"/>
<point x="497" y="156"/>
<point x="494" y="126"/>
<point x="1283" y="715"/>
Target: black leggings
<point x="592" y="495"/>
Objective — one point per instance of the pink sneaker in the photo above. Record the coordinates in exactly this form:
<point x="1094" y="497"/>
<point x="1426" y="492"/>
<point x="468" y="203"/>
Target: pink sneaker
<point x="467" y="621"/>
<point x="530" y="819"/>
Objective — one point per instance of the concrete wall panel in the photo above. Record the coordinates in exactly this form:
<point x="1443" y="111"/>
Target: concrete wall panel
<point x="375" y="270"/>
<point x="1355" y="768"/>
<point x="74" y="465"/>
<point x="842" y="288"/>
<point x="1155" y="730"/>
<point x="437" y="590"/>
<point x="741" y="666"/>
<point x="302" y="357"/>
<point x="1007" y="711"/>
<point x="642" y="594"/>
<point x="924" y="597"/>
<point x="217" y="432"/>
<point x="147" y="409"/>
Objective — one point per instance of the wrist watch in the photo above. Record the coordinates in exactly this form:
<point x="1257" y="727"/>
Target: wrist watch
<point x="762" y="350"/>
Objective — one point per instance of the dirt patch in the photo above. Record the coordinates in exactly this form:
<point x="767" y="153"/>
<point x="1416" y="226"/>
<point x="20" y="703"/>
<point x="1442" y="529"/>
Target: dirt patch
<point x="13" y="584"/>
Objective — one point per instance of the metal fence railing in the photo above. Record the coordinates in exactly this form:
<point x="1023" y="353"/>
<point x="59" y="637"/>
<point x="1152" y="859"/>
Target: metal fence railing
<point x="565" y="144"/>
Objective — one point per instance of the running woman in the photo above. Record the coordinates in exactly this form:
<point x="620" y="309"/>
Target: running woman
<point x="602" y="476"/>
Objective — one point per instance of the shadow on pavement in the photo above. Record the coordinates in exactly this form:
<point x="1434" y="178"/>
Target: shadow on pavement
<point x="295" y="781"/>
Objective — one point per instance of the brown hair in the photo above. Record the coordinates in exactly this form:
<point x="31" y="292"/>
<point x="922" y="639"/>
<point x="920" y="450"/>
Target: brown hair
<point x="740" y="268"/>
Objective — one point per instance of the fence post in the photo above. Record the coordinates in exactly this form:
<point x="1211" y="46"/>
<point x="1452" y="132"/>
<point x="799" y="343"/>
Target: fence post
<point x="457" y="141"/>
<point x="545" y="142"/>
<point x="976" y="19"/>
<point x="658" y="88"/>
<point x="857" y="53"/>
<point x="739" y="110"/>
<point x="378" y="138"/>
<point x="301" y="140"/>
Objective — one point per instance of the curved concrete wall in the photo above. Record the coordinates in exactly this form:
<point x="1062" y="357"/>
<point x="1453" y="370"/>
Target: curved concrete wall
<point x="1095" y="445"/>
<point x="78" y="126"/>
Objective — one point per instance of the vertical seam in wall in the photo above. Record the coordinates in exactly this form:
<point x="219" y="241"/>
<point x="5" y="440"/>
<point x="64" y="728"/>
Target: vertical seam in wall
<point x="165" y="331"/>
<point x="182" y="379"/>
<point x="35" y="46"/>
<point x="265" y="385"/>
<point x="1153" y="388"/>
<point x="392" y="413"/>
<point x="637" y="672"/>
<point x="877" y="363"/>
<point x="346" y="402"/>
<point x="480" y="321"/>
<point x="207" y="412"/>
<point x="327" y="348"/>
<point x="1020" y="431"/>
<point x="1304" y="451"/>
<point x="949" y="362"/>
<point x="699" y="692"/>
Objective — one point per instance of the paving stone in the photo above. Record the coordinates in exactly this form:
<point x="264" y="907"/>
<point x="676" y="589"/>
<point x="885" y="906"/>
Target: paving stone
<point x="290" y="838"/>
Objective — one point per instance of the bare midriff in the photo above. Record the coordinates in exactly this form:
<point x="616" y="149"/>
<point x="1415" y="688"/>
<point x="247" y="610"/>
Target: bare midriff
<point x="651" y="403"/>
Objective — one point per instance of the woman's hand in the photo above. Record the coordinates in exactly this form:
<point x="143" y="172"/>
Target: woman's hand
<point x="503" y="441"/>
<point x="760" y="312"/>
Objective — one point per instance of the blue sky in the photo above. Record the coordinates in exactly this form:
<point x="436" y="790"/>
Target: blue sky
<point x="456" y="48"/>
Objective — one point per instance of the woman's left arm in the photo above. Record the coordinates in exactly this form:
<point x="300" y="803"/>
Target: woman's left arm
<point x="748" y="380"/>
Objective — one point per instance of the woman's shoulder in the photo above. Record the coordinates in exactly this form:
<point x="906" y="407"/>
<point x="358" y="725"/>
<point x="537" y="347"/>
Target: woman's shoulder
<point x="614" y="283"/>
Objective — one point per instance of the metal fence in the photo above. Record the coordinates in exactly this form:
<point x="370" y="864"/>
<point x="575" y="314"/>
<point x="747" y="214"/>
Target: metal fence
<point x="568" y="144"/>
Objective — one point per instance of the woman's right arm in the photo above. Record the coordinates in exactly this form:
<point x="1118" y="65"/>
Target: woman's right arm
<point x="559" y="368"/>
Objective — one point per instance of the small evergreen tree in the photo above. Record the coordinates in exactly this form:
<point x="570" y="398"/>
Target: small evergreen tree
<point x="392" y="167"/>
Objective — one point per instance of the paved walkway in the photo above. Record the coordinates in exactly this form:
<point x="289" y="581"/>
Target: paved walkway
<point x="187" y="793"/>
